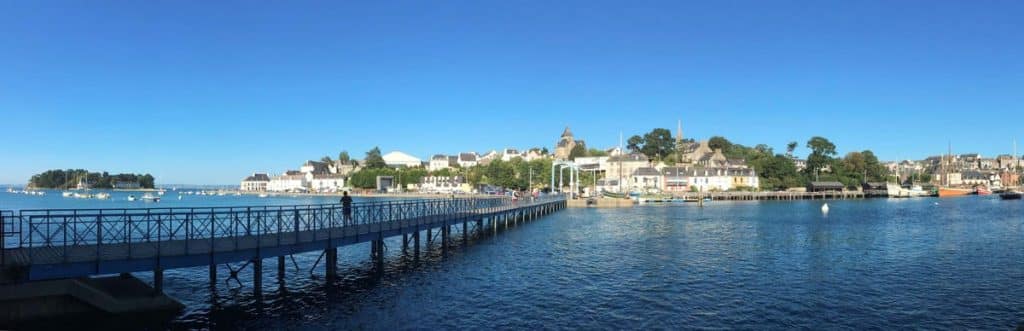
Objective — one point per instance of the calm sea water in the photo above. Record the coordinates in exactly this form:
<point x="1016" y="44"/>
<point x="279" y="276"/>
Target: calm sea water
<point x="926" y="263"/>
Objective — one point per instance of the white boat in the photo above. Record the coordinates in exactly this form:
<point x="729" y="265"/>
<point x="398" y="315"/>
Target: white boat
<point x="67" y="194"/>
<point x="102" y="196"/>
<point x="150" y="198"/>
<point x="263" y="195"/>
<point x="82" y="196"/>
<point x="131" y="198"/>
<point x="897" y="191"/>
<point x="159" y="192"/>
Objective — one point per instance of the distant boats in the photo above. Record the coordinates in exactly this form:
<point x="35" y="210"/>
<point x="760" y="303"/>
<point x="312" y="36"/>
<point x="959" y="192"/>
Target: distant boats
<point x="897" y="191"/>
<point x="1010" y="195"/>
<point x="67" y="194"/>
<point x="982" y="190"/>
<point x="150" y="198"/>
<point x="131" y="198"/>
<point x="102" y="195"/>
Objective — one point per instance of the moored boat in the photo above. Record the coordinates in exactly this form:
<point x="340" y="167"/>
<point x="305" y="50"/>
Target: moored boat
<point x="150" y="198"/>
<point x="954" y="192"/>
<point x="1010" y="195"/>
<point x="982" y="190"/>
<point x="102" y="195"/>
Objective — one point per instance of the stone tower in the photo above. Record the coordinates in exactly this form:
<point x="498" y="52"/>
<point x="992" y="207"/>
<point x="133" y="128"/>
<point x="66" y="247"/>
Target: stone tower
<point x="565" y="145"/>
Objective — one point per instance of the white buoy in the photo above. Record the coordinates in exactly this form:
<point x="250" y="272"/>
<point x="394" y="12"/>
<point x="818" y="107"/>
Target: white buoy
<point x="824" y="208"/>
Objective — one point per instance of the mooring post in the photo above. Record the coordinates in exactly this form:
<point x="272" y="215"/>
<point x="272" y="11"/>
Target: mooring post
<point x="405" y="243"/>
<point x="332" y="262"/>
<point x="430" y="238"/>
<point x="257" y="276"/>
<point x="158" y="280"/>
<point x="465" y="233"/>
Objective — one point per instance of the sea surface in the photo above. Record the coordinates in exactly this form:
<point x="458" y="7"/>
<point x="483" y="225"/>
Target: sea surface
<point x="868" y="264"/>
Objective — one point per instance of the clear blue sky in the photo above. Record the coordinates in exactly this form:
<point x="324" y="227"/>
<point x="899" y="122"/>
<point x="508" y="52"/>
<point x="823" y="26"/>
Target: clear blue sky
<point x="209" y="91"/>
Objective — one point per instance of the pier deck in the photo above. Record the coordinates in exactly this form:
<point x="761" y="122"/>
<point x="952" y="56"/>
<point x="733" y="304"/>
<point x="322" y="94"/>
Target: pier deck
<point x="55" y="244"/>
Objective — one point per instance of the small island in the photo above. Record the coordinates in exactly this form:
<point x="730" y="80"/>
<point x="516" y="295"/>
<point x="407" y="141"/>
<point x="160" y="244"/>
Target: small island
<point x="81" y="179"/>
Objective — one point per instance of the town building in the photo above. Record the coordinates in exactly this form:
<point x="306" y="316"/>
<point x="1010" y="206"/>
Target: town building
<point x="467" y="160"/>
<point x="326" y="183"/>
<point x="743" y="178"/>
<point x="255" y="183"/>
<point x="645" y="178"/>
<point x="621" y="167"/>
<point x="676" y="179"/>
<point x="443" y="184"/>
<point x="290" y="181"/>
<point x="439" y="162"/>
<point x="510" y="153"/>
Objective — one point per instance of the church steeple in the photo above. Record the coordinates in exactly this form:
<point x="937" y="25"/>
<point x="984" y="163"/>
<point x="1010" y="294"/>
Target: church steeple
<point x="566" y="133"/>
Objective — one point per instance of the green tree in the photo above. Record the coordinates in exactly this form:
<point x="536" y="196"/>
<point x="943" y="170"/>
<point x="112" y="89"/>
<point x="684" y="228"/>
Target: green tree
<point x="658" y="143"/>
<point x="822" y="152"/>
<point x="577" y="151"/>
<point x="634" y="144"/>
<point x="718" y="142"/>
<point x="344" y="158"/>
<point x="374" y="159"/>
<point x="790" y="148"/>
<point x="596" y="152"/>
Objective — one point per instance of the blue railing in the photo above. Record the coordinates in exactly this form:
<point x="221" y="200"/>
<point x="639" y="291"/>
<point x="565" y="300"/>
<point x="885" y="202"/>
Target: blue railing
<point x="65" y="228"/>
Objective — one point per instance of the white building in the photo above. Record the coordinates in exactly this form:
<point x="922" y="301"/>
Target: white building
<point x="467" y="160"/>
<point x="290" y="181"/>
<point x="255" y="183"/>
<point x="398" y="159"/>
<point x="711" y="179"/>
<point x="439" y="162"/>
<point x="328" y="183"/>
<point x="646" y="178"/>
<point x="510" y="153"/>
<point x="442" y="184"/>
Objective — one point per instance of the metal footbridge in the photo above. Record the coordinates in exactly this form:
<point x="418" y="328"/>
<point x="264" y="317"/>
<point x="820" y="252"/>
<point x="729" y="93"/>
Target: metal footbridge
<point x="68" y="243"/>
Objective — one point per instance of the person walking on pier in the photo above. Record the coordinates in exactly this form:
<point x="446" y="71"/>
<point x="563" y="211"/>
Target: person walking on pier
<point x="346" y="207"/>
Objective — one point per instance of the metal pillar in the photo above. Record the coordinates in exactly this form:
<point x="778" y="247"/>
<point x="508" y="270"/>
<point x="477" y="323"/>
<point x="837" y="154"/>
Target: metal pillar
<point x="257" y="276"/>
<point x="213" y="274"/>
<point x="332" y="262"/>
<point x="405" y="243"/>
<point x="158" y="280"/>
<point x="280" y="267"/>
<point x="416" y="243"/>
<point x="465" y="233"/>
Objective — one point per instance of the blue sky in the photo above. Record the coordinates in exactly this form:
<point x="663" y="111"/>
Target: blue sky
<point x="209" y="91"/>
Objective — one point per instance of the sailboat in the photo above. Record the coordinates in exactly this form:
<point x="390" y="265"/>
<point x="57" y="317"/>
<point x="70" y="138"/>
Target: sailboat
<point x="945" y="190"/>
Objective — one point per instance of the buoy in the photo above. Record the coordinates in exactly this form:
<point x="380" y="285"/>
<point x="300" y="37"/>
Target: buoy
<point x="824" y="208"/>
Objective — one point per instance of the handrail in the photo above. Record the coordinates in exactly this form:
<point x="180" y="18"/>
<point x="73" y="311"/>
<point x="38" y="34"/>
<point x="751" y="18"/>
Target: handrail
<point x="63" y="228"/>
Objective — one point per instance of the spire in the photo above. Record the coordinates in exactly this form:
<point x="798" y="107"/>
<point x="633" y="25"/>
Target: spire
<point x="566" y="133"/>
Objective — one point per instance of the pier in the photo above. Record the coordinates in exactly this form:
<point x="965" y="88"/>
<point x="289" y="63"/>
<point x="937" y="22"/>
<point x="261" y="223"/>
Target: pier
<point x="66" y="245"/>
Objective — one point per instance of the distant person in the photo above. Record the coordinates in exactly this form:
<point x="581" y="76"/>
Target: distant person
<point x="346" y="207"/>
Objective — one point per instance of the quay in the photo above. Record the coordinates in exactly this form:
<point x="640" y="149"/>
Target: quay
<point x="50" y="258"/>
<point x="608" y="202"/>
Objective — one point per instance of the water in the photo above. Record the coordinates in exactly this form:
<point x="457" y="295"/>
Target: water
<point x="119" y="199"/>
<point x="925" y="263"/>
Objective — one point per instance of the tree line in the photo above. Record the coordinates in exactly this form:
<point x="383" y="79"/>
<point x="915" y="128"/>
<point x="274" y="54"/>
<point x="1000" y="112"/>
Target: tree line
<point x="66" y="179"/>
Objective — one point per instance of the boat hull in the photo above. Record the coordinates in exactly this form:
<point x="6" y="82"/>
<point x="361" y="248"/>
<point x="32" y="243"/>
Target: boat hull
<point x="953" y="192"/>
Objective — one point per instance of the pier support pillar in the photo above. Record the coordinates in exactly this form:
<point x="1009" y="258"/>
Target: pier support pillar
<point x="416" y="244"/>
<point x="444" y="239"/>
<point x="465" y="233"/>
<point x="380" y="254"/>
<point x="213" y="274"/>
<point x="257" y="276"/>
<point x="158" y="280"/>
<point x="405" y="243"/>
<point x="332" y="262"/>
<point x="430" y="236"/>
<point x="280" y="267"/>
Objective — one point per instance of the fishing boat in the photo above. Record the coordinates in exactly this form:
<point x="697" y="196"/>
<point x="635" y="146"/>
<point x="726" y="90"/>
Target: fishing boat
<point x="1011" y="195"/>
<point x="613" y="195"/>
<point x="131" y="198"/>
<point x="102" y="196"/>
<point x="946" y="190"/>
<point x="67" y="194"/>
<point x="150" y="198"/>
<point x="982" y="190"/>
